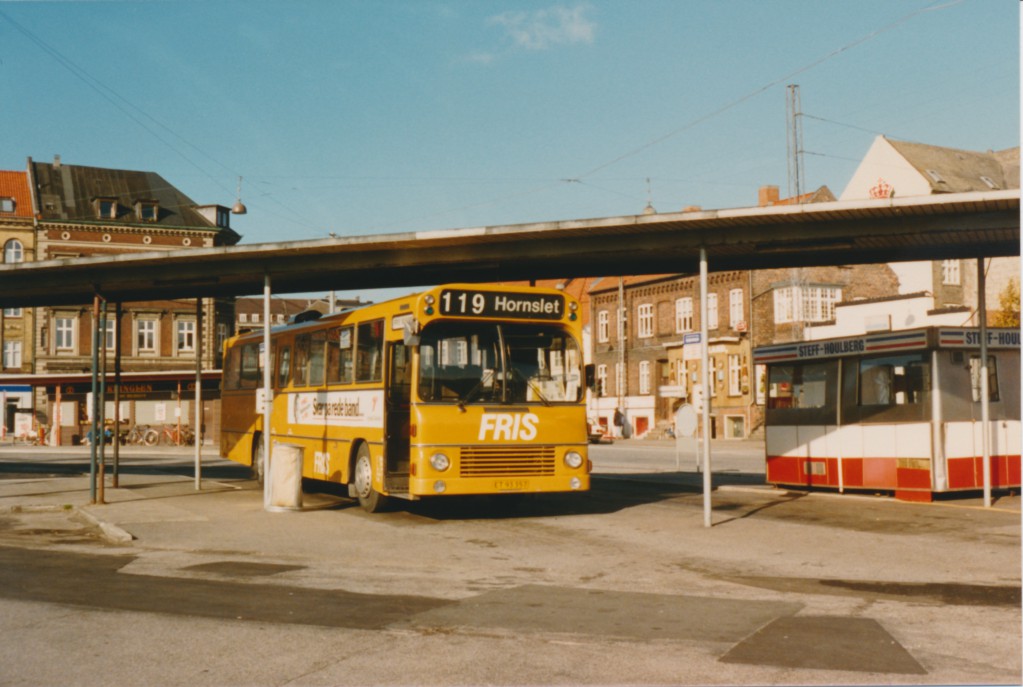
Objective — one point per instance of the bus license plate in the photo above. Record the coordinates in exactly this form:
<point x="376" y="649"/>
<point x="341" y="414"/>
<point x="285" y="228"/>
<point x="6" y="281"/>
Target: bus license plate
<point x="511" y="484"/>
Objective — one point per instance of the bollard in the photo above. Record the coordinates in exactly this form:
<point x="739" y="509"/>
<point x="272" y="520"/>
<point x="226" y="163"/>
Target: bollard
<point x="285" y="478"/>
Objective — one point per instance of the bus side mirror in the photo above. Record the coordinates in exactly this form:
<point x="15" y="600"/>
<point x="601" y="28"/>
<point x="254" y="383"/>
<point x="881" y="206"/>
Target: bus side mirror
<point x="591" y="376"/>
<point x="410" y="332"/>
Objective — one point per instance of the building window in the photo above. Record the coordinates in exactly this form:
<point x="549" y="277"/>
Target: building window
<point x="106" y="208"/>
<point x="13" y="312"/>
<point x="805" y="303"/>
<point x="6" y="205"/>
<point x="14" y="251"/>
<point x="12" y="354"/>
<point x="735" y="310"/>
<point x="645" y="327"/>
<point x="713" y="375"/>
<point x="243" y="318"/>
<point x="684" y="315"/>
<point x="221" y="335"/>
<point x="602" y="380"/>
<point x="734" y="375"/>
<point x="644" y="377"/>
<point x="603" y="326"/>
<point x="147" y="210"/>
<point x="64" y="333"/>
<point x="145" y="336"/>
<point x="111" y="334"/>
<point x="185" y="336"/>
<point x="950" y="272"/>
<point x="712" y="311"/>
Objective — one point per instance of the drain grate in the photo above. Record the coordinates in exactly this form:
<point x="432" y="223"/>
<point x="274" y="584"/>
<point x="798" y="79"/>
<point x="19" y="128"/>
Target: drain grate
<point x="243" y="568"/>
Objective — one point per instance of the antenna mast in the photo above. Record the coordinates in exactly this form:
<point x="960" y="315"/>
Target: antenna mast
<point x="794" y="142"/>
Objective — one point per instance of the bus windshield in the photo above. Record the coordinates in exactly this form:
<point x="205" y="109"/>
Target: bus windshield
<point x="480" y="362"/>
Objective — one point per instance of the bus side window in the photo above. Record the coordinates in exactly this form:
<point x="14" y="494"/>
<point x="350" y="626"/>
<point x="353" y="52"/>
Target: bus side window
<point x="301" y="372"/>
<point x="370" y="343"/>
<point x="283" y="367"/>
<point x="233" y="369"/>
<point x="339" y="355"/>
<point x="250" y="369"/>
<point x="317" y="342"/>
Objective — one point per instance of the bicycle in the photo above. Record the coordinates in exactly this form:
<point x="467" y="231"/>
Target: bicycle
<point x="137" y="435"/>
<point x="176" y="437"/>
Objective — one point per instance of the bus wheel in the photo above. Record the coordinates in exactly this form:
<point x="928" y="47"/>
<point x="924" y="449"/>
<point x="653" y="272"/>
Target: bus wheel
<point x="372" y="501"/>
<point x="258" y="460"/>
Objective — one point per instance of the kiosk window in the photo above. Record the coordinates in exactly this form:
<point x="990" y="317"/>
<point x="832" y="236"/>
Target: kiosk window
<point x="799" y="386"/>
<point x="992" y="378"/>
<point x="894" y="380"/>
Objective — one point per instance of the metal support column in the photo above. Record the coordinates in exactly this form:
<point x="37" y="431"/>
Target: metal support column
<point x="706" y="381"/>
<point x="197" y="429"/>
<point x="267" y="398"/>
<point x="985" y="391"/>
<point x="117" y="395"/>
<point x="95" y="397"/>
<point x="101" y="437"/>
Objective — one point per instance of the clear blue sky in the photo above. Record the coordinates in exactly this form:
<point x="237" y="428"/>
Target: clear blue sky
<point x="386" y="116"/>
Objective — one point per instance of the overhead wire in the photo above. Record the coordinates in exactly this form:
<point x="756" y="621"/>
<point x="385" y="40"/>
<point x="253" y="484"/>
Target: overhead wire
<point x="752" y="94"/>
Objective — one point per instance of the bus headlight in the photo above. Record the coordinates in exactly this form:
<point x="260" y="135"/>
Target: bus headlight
<point x="440" y="462"/>
<point x="574" y="460"/>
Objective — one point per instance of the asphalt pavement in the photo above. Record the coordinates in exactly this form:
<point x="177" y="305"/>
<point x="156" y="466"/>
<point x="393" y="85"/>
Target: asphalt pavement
<point x="878" y="587"/>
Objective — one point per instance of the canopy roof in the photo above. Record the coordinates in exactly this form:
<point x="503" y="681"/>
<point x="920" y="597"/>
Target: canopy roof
<point x="955" y="225"/>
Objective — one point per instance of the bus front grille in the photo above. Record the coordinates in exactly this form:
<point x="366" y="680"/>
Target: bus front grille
<point x="507" y="461"/>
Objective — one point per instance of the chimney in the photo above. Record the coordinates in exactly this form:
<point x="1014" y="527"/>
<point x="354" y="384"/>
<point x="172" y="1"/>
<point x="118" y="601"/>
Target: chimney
<point x="769" y="195"/>
<point x="56" y="161"/>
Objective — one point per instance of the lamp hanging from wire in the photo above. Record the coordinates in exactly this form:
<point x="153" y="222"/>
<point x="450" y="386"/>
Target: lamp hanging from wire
<point x="239" y="207"/>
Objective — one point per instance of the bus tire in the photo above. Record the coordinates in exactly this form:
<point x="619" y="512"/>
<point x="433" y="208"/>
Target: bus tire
<point x="372" y="501"/>
<point x="258" y="460"/>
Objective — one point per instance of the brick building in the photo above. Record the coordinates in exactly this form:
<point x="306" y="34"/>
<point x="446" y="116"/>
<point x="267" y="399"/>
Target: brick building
<point x="649" y="363"/>
<point x="903" y="168"/>
<point x="81" y="211"/>
<point x="17" y="243"/>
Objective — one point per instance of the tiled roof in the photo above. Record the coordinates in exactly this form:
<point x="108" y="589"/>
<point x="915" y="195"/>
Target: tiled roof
<point x="611" y="283"/>
<point x="950" y="170"/>
<point x="67" y="192"/>
<point x="15" y="185"/>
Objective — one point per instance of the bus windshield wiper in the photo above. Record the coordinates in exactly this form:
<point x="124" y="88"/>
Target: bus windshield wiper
<point x="531" y="384"/>
<point x="473" y="392"/>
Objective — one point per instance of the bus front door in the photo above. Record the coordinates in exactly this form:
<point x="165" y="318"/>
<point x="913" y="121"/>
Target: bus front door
<point x="399" y="394"/>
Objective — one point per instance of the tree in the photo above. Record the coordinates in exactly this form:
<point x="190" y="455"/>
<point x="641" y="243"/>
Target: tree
<point x="1007" y="314"/>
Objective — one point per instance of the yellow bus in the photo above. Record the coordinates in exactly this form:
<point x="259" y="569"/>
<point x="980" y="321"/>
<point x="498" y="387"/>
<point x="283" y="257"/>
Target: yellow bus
<point x="461" y="389"/>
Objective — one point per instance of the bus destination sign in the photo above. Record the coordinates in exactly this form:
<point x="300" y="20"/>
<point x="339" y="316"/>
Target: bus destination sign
<point x="502" y="305"/>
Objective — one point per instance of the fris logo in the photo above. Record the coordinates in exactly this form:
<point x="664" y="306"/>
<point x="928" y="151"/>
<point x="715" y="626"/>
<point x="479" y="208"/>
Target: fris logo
<point x="508" y="426"/>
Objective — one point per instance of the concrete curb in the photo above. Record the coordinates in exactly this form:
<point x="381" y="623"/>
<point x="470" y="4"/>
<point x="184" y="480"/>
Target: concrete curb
<point x="111" y="532"/>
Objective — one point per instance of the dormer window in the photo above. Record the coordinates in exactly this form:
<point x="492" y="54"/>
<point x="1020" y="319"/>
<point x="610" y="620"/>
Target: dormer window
<point x="106" y="208"/>
<point x="223" y="217"/>
<point x="147" y="210"/>
<point x="6" y="205"/>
